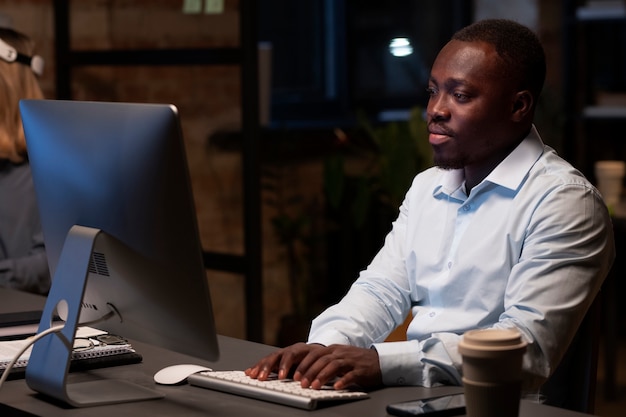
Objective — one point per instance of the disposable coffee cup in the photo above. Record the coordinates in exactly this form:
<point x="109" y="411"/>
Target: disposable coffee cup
<point x="492" y="372"/>
<point x="609" y="179"/>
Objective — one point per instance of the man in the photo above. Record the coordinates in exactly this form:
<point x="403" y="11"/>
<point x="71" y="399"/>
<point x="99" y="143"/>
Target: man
<point x="501" y="233"/>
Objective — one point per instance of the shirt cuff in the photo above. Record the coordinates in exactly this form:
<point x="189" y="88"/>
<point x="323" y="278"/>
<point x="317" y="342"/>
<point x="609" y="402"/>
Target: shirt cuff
<point x="328" y="338"/>
<point x="400" y="362"/>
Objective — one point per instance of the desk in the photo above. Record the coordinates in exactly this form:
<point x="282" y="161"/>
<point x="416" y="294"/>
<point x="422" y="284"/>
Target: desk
<point x="186" y="400"/>
<point x="13" y="301"/>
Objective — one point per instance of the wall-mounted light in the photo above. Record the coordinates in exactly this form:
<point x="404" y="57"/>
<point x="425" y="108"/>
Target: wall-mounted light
<point x="400" y="47"/>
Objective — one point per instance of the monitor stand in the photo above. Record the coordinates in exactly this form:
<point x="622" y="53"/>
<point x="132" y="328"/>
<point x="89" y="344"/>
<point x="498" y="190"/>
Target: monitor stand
<point x="49" y="362"/>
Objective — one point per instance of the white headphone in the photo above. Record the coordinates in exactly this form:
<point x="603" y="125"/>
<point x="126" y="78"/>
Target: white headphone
<point x="10" y="54"/>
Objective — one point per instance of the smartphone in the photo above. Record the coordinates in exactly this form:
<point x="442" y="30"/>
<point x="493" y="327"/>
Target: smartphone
<point x="449" y="405"/>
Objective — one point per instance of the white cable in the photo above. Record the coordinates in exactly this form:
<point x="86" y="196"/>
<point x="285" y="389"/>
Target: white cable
<point x="31" y="341"/>
<point x="105" y="317"/>
<point x="54" y="329"/>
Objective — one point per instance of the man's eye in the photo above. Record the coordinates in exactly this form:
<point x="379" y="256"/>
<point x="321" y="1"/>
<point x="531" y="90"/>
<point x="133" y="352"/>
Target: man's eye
<point x="461" y="96"/>
<point x="431" y="91"/>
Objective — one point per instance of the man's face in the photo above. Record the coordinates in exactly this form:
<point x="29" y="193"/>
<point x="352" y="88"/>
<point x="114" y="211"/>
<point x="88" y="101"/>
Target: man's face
<point x="470" y="107"/>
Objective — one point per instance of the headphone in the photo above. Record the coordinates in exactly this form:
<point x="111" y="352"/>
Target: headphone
<point x="10" y="54"/>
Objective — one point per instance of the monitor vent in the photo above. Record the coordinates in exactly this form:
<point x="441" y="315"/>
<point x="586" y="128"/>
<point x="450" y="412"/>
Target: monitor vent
<point x="98" y="264"/>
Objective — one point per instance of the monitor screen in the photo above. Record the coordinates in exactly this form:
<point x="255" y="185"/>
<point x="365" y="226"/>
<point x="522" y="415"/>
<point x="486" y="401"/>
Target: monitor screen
<point x="119" y="225"/>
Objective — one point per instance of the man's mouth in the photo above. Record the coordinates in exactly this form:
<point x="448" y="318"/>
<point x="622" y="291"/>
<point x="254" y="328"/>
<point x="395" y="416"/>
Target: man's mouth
<point x="437" y="135"/>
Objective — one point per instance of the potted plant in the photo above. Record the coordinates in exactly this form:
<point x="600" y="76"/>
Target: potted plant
<point x="366" y="180"/>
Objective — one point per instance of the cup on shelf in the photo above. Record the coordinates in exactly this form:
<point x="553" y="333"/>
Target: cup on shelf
<point x="492" y="371"/>
<point x="610" y="179"/>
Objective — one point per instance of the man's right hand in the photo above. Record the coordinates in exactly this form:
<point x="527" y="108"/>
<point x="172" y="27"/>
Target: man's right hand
<point x="315" y="365"/>
<point x="282" y="361"/>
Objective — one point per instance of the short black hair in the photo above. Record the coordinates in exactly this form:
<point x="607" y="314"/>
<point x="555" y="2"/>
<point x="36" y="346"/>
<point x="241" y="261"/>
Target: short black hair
<point x="518" y="46"/>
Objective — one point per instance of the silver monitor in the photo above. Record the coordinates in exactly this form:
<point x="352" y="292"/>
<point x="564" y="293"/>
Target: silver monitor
<point x="121" y="235"/>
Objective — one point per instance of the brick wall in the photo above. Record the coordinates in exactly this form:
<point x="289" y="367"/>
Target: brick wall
<point x="207" y="97"/>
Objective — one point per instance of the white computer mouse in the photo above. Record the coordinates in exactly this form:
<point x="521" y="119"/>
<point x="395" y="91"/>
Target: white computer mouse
<point x="175" y="374"/>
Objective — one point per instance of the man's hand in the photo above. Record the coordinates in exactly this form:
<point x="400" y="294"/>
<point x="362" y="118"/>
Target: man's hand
<point x="315" y="365"/>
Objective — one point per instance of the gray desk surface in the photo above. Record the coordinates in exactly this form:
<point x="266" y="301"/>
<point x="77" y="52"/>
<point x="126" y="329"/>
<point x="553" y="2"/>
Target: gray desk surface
<point x="12" y="301"/>
<point x="186" y="400"/>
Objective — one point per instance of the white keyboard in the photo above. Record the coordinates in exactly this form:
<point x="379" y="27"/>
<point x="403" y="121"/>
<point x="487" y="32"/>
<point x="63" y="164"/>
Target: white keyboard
<point x="285" y="391"/>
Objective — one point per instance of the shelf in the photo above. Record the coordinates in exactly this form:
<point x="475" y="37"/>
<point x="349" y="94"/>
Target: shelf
<point x="604" y="112"/>
<point x="604" y="10"/>
<point x="191" y="56"/>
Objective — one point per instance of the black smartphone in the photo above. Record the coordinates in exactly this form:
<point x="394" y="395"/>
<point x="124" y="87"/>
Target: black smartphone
<point x="449" y="405"/>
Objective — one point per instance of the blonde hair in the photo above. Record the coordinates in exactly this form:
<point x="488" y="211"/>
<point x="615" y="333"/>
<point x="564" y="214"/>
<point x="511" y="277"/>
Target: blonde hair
<point x="17" y="81"/>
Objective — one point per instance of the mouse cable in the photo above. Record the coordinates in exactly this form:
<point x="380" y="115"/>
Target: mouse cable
<point x="31" y="340"/>
<point x="55" y="329"/>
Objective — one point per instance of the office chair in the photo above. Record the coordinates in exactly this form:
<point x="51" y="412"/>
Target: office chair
<point x="573" y="384"/>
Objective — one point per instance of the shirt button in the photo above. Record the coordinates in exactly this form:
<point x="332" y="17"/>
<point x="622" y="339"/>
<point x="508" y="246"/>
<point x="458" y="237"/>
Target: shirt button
<point x="467" y="207"/>
<point x="432" y="314"/>
<point x="401" y="381"/>
<point x="449" y="264"/>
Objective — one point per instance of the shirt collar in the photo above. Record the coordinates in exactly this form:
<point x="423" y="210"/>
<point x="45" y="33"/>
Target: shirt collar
<point x="513" y="169"/>
<point x="509" y="173"/>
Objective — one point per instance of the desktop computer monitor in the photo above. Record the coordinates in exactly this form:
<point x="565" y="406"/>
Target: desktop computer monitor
<point x="120" y="230"/>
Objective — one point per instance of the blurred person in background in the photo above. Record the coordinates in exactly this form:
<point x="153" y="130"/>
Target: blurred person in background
<point x="23" y="262"/>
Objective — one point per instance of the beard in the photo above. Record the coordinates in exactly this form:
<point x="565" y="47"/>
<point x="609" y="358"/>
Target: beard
<point x="447" y="162"/>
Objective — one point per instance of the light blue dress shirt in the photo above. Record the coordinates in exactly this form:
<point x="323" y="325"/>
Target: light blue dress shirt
<point x="528" y="248"/>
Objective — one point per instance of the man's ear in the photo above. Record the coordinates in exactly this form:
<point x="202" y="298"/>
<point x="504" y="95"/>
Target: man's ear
<point x="522" y="105"/>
